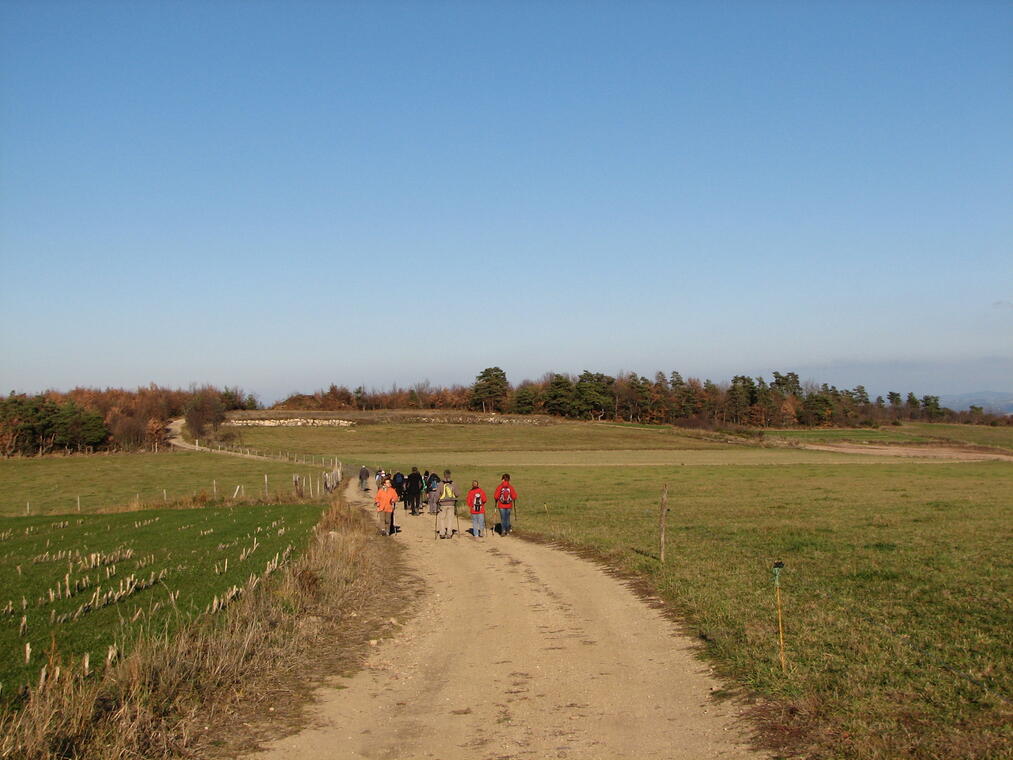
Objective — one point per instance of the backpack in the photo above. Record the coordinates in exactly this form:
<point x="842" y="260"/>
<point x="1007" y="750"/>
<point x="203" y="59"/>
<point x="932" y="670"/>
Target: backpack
<point x="398" y="479"/>
<point x="448" y="492"/>
<point x="477" y="502"/>
<point x="506" y="496"/>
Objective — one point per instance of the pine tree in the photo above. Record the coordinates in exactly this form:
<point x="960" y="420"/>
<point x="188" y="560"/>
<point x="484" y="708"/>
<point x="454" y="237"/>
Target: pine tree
<point x="559" y="396"/>
<point x="489" y="393"/>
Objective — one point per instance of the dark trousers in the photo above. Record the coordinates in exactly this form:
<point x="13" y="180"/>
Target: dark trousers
<point x="413" y="501"/>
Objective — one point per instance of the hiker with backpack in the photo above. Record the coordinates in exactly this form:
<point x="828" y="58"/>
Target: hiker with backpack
<point x="413" y="491"/>
<point x="447" y="506"/>
<point x="476" y="500"/>
<point x="505" y="496"/>
<point x="433" y="492"/>
<point x="398" y="482"/>
<point x="385" y="499"/>
<point x="363" y="478"/>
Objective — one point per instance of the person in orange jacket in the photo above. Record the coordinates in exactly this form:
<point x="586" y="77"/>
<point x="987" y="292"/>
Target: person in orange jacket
<point x="476" y="505"/>
<point x="505" y="496"/>
<point x="385" y="499"/>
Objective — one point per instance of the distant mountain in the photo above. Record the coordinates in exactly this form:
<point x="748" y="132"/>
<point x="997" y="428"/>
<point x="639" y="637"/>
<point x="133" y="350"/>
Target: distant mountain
<point x="990" y="401"/>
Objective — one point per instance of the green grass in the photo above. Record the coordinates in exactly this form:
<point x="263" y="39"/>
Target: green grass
<point x="52" y="484"/>
<point x="896" y="586"/>
<point x="187" y="548"/>
<point x="1000" y="437"/>
<point x="512" y="446"/>
<point x="439" y="437"/>
<point x="849" y="435"/>
<point x="910" y="433"/>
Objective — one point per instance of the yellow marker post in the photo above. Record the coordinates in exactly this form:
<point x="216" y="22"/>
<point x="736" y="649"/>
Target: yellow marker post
<point x="778" y="566"/>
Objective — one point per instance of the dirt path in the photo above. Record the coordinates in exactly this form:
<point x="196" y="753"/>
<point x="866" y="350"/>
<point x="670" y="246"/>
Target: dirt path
<point x="517" y="650"/>
<point x="176" y="439"/>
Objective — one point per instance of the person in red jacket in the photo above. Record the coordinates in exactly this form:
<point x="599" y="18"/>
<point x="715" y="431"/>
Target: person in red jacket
<point x="385" y="499"/>
<point x="476" y="505"/>
<point x="505" y="496"/>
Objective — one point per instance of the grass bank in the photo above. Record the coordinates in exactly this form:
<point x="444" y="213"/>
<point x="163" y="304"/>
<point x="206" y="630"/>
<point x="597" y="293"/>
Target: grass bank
<point x="56" y="485"/>
<point x="76" y="586"/>
<point x="176" y="694"/>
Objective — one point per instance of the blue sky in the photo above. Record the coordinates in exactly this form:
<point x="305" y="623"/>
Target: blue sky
<point x="281" y="195"/>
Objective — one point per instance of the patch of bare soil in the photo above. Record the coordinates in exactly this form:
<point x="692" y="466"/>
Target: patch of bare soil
<point x="520" y="650"/>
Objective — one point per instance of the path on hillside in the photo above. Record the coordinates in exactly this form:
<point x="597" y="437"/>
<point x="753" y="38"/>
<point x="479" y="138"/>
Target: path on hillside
<point x="176" y="439"/>
<point x="518" y="650"/>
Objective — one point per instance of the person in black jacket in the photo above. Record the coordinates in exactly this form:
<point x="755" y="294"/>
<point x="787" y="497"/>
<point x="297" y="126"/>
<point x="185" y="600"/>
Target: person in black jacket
<point x="398" y="482"/>
<point x="413" y="491"/>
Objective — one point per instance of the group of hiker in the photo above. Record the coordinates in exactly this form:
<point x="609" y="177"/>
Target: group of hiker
<point x="441" y="499"/>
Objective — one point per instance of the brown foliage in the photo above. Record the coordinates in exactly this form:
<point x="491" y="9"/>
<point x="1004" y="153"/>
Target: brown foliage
<point x="138" y="419"/>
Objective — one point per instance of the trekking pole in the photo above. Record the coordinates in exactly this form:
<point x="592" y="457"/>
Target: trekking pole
<point x="458" y="518"/>
<point x="778" y="566"/>
<point x="436" y="524"/>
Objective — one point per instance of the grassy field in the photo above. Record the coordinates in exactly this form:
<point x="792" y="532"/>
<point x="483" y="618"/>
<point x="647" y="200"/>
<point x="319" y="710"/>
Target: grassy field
<point x="909" y="433"/>
<point x="896" y="586"/>
<point x="434" y="438"/>
<point x="76" y="584"/>
<point x="588" y="445"/>
<point x="977" y="435"/>
<point x="849" y="435"/>
<point x="51" y="485"/>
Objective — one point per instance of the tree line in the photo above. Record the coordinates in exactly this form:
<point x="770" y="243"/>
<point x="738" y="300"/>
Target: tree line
<point x="90" y="419"/>
<point x="783" y="401"/>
